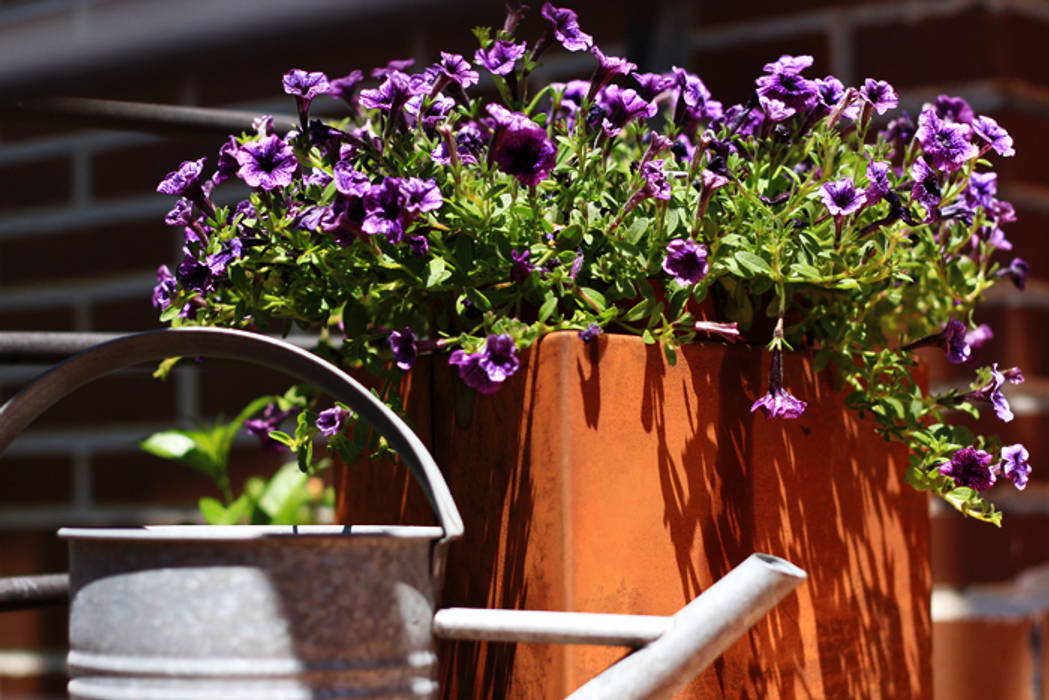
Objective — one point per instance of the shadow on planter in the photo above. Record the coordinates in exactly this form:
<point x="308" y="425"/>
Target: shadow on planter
<point x="603" y="479"/>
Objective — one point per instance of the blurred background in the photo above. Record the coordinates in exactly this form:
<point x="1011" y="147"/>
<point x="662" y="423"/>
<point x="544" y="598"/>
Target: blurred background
<point x="82" y="233"/>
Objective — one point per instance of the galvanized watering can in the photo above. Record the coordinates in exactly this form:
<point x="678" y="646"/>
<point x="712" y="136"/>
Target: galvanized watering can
<point x="233" y="612"/>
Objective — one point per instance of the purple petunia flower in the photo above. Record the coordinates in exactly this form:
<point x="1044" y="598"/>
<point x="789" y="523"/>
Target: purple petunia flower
<point x="227" y="164"/>
<point x="453" y="68"/>
<point x="656" y="184"/>
<point x="947" y="145"/>
<point x="686" y="261"/>
<point x="608" y="67"/>
<point x="1014" y="465"/>
<point x="566" y="28"/>
<point x="978" y="336"/>
<point x="421" y="195"/>
<point x="775" y="110"/>
<point x="332" y="420"/>
<point x="393" y="92"/>
<point x="181" y="214"/>
<point x="926" y="189"/>
<point x="267" y="163"/>
<point x="521" y="148"/>
<point x="994" y="136"/>
<point x="953" y="109"/>
<point x="468" y="144"/>
<point x="695" y="98"/>
<point x="991" y="392"/>
<point x="829" y="92"/>
<point x="901" y="128"/>
<point x="590" y="333"/>
<point x="486" y="371"/>
<point x="1017" y="272"/>
<point x="345" y="88"/>
<point x="878" y="181"/>
<point x="778" y="402"/>
<point x="521" y="267"/>
<point x="398" y="65"/>
<point x="500" y="58"/>
<point x="304" y="87"/>
<point x="621" y="107"/>
<point x="841" y="197"/>
<point x="728" y="331"/>
<point x="879" y="95"/>
<point x="405" y="350"/>
<point x="970" y="467"/>
<point x="434" y="113"/>
<point x="262" y="425"/>
<point x="384" y="206"/>
<point x="951" y="339"/>
<point x="187" y="182"/>
<point x="783" y="82"/>
<point x="349" y="180"/>
<point x="165" y="288"/>
<point x="650" y="85"/>
<point x="981" y="190"/>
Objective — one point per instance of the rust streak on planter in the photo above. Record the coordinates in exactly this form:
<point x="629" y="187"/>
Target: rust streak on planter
<point x="602" y="479"/>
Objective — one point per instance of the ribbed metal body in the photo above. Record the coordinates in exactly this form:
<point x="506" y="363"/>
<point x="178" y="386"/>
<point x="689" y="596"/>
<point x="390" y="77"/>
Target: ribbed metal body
<point x="201" y="612"/>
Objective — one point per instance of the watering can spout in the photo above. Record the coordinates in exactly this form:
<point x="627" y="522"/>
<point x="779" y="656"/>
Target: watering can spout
<point x="698" y="633"/>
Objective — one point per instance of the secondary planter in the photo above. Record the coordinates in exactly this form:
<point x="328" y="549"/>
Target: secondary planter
<point x="603" y="479"/>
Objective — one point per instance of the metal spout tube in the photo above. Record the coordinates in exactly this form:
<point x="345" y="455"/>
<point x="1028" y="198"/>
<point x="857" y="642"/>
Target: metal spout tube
<point x="699" y="633"/>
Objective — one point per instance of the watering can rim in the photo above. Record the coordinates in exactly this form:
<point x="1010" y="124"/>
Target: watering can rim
<point x="225" y="533"/>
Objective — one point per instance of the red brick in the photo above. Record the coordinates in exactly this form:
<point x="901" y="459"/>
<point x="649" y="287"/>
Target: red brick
<point x="136" y="170"/>
<point x="50" y="319"/>
<point x="1030" y="132"/>
<point x="714" y="13"/>
<point x="924" y="52"/>
<point x="966" y="551"/>
<point x="35" y="184"/>
<point x="226" y="387"/>
<point x="729" y="73"/>
<point x="85" y="253"/>
<point x="119" y="398"/>
<point x="982" y="658"/>
<point x="126" y="315"/>
<point x="36" y="480"/>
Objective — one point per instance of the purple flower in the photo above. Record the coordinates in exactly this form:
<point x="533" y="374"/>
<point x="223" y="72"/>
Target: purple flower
<point x="991" y="392"/>
<point x="332" y="420"/>
<point x="608" y="67"/>
<point x="970" y="467"/>
<point x="652" y="84"/>
<point x="304" y="87"/>
<point x="1013" y="375"/>
<point x="926" y="189"/>
<point x="981" y="190"/>
<point x="1014" y="465"/>
<point x="879" y="95"/>
<point x="783" y="82"/>
<point x="500" y="58"/>
<point x="485" y="371"/>
<point x="181" y="214"/>
<point x="994" y="136"/>
<point x="686" y="261"/>
<point x="521" y="268"/>
<point x="901" y="128"/>
<point x="393" y="93"/>
<point x="385" y="211"/>
<point x="1017" y="272"/>
<point x="267" y="163"/>
<point x="405" y="350"/>
<point x="829" y="92"/>
<point x="878" y="181"/>
<point x="421" y="195"/>
<point x="656" y="184"/>
<point x="521" y="148"/>
<point x="775" y="110"/>
<point x="434" y="113"/>
<point x="453" y="68"/>
<point x="187" y="182"/>
<point x="227" y="165"/>
<point x="468" y="144"/>
<point x="349" y="180"/>
<point x="728" y="331"/>
<point x="953" y="109"/>
<point x="398" y="65"/>
<point x="566" y="28"/>
<point x="165" y="288"/>
<point x="946" y="144"/>
<point x="695" y="97"/>
<point x="262" y="425"/>
<point x="978" y="336"/>
<point x="345" y="88"/>
<point x="951" y="339"/>
<point x="590" y="333"/>
<point x="621" y="106"/>
<point x="778" y="402"/>
<point x="841" y="197"/>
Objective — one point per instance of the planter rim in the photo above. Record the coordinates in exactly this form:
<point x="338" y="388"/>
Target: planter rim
<point x="223" y="533"/>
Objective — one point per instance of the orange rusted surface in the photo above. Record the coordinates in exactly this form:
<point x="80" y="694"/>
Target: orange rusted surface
<point x="602" y="479"/>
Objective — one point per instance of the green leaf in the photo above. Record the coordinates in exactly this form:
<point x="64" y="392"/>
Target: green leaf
<point x="213" y="511"/>
<point x="547" y="308"/>
<point x="192" y="448"/>
<point x="170" y="444"/>
<point x="752" y="262"/>
<point x="638" y="229"/>
<point x="280" y="488"/>
<point x="282" y="437"/>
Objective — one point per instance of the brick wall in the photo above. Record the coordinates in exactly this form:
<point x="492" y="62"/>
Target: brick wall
<point x="81" y="234"/>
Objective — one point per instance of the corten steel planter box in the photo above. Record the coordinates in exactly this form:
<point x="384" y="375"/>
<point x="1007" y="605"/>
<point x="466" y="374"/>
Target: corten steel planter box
<point x="602" y="479"/>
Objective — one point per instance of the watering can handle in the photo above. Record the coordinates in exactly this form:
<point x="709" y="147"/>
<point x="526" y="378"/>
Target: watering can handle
<point x="151" y="346"/>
